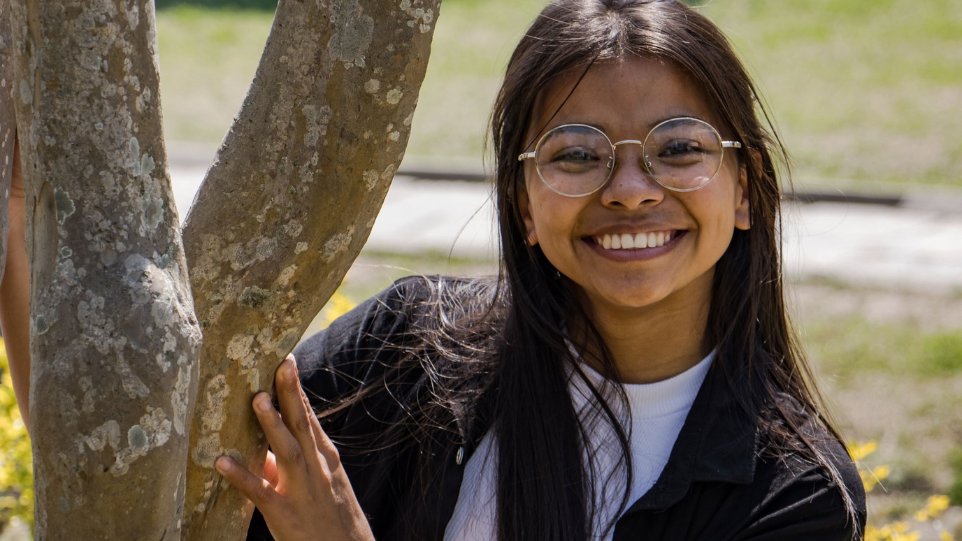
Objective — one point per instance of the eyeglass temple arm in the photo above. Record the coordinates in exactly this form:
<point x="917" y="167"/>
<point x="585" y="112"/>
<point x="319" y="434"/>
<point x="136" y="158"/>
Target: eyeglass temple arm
<point x="525" y="156"/>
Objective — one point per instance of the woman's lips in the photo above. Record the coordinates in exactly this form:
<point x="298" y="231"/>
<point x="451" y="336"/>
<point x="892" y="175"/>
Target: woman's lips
<point x="629" y="247"/>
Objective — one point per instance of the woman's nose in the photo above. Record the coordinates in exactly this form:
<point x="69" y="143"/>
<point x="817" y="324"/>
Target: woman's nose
<point x="631" y="185"/>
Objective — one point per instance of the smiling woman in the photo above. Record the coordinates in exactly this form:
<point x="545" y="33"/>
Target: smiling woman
<point x="696" y="200"/>
<point x="631" y="372"/>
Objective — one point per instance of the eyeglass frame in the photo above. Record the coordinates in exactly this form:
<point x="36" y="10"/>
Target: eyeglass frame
<point x="614" y="160"/>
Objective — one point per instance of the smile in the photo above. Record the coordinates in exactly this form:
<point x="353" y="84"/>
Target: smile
<point x="634" y="241"/>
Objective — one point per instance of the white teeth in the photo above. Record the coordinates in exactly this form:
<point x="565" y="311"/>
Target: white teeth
<point x="641" y="240"/>
<point x="626" y="241"/>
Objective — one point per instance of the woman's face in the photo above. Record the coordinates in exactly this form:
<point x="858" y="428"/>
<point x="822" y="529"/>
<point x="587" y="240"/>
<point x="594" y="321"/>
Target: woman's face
<point x="625" y="100"/>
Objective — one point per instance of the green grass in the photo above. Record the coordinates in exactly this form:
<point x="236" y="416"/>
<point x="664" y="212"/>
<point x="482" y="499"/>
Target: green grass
<point x="207" y="61"/>
<point x="955" y="489"/>
<point x="848" y="348"/>
<point x="862" y="90"/>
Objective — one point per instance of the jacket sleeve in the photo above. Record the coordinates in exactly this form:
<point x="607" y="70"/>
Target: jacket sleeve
<point x="335" y="362"/>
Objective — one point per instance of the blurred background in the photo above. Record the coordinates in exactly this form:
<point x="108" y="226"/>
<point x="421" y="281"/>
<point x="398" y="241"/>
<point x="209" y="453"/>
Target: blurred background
<point x="864" y="91"/>
<point x="867" y="95"/>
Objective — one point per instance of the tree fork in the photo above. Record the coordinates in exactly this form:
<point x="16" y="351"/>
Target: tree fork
<point x="284" y="211"/>
<point x="114" y="340"/>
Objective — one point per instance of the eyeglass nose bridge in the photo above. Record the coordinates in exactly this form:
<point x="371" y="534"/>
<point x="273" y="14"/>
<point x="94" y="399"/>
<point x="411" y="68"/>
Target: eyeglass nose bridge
<point x="614" y="146"/>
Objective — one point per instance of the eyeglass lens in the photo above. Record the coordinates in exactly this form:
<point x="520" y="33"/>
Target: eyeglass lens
<point x="681" y="154"/>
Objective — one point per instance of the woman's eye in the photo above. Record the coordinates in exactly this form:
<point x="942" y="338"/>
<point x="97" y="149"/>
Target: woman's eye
<point x="680" y="149"/>
<point x="580" y="156"/>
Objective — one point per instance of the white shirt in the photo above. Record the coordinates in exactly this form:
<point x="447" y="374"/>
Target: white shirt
<point x="656" y="414"/>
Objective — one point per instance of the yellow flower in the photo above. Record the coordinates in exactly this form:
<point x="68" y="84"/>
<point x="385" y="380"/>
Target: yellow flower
<point x="870" y="478"/>
<point x="858" y="451"/>
<point x="936" y="504"/>
<point x="933" y="507"/>
<point x="337" y="307"/>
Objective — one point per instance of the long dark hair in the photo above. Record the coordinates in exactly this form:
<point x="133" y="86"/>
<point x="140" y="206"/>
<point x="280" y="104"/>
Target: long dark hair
<point x="747" y="323"/>
<point x="545" y="490"/>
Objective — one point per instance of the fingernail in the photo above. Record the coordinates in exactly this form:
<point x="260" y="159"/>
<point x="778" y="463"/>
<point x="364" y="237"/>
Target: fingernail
<point x="223" y="464"/>
<point x="291" y="370"/>
<point x="262" y="402"/>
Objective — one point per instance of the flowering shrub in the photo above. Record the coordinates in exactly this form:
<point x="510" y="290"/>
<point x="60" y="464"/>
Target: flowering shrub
<point x="900" y="530"/>
<point x="16" y="459"/>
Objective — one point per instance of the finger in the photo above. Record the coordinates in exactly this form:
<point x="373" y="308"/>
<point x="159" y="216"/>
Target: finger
<point x="324" y="444"/>
<point x="288" y="453"/>
<point x="297" y="416"/>
<point x="270" y="469"/>
<point x="256" y="489"/>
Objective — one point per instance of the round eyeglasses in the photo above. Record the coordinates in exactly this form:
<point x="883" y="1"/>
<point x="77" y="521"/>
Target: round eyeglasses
<point x="682" y="154"/>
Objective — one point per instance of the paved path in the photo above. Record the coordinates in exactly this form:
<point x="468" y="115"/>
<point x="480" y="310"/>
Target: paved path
<point x="917" y="248"/>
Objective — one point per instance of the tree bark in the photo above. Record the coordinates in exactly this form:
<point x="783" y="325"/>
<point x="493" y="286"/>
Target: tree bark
<point x="285" y="210"/>
<point x="8" y="127"/>
<point x="114" y="340"/>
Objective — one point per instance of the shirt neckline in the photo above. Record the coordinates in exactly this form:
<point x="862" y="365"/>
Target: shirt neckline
<point x="658" y="399"/>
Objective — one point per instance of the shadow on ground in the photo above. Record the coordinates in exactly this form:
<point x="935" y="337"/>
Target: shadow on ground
<point x="260" y="5"/>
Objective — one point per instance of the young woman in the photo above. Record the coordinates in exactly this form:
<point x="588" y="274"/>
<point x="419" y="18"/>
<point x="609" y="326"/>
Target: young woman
<point x="630" y="374"/>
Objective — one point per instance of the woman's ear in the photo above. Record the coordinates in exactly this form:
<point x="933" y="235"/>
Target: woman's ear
<point x="524" y="206"/>
<point x="743" y="215"/>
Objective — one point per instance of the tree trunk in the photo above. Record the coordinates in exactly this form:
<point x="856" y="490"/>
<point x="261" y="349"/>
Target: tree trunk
<point x="114" y="341"/>
<point x="8" y="127"/>
<point x="284" y="211"/>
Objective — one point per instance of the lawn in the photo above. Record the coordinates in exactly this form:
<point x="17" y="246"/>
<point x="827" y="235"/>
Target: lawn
<point x="864" y="91"/>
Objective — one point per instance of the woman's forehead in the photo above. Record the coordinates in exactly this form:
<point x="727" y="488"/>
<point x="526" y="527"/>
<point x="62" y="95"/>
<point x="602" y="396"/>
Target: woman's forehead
<point x="623" y="96"/>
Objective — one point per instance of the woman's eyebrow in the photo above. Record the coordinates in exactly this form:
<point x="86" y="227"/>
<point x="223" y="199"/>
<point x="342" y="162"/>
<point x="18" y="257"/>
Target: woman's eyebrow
<point x="681" y="114"/>
<point x="645" y="128"/>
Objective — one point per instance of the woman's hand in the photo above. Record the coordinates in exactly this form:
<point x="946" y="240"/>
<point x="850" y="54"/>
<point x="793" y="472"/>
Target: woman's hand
<point x="306" y="494"/>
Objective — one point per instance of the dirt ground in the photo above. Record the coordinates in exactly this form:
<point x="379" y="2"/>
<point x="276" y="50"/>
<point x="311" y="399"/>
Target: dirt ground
<point x="916" y="420"/>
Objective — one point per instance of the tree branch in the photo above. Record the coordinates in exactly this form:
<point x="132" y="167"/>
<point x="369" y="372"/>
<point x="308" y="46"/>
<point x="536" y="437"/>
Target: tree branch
<point x="286" y="208"/>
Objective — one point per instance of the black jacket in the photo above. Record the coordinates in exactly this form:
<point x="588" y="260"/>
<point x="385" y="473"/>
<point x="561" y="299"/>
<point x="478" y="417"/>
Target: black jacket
<point x="719" y="482"/>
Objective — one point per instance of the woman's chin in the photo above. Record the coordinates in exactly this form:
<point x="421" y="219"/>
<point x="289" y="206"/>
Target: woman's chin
<point x="629" y="296"/>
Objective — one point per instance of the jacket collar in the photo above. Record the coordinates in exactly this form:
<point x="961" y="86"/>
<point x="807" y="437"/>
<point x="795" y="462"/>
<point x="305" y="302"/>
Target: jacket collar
<point x="716" y="444"/>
